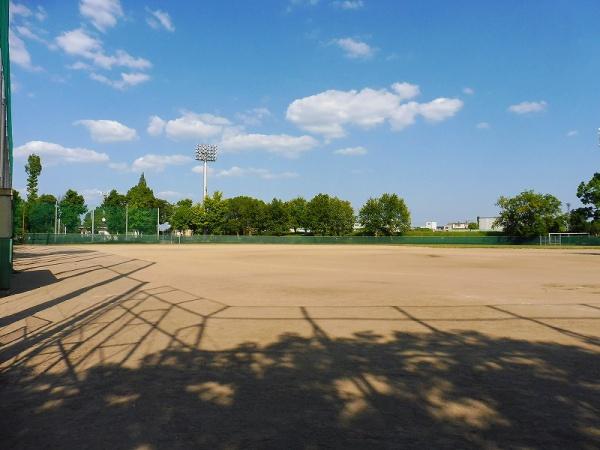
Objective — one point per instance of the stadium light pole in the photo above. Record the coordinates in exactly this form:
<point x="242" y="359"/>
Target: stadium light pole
<point x="206" y="153"/>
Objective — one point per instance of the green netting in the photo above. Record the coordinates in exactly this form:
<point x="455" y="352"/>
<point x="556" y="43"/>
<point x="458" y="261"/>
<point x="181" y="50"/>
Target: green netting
<point x="50" y="238"/>
<point x="73" y="220"/>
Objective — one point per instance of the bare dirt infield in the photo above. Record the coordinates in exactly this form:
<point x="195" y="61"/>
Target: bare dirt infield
<point x="300" y="347"/>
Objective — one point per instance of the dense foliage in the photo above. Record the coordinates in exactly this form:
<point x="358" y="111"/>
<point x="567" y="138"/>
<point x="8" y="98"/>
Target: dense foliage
<point x="531" y="214"/>
<point x="138" y="211"/>
<point x="587" y="218"/>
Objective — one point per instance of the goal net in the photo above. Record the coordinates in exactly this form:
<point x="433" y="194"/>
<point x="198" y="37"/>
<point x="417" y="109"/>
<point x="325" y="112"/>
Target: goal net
<point x="560" y="238"/>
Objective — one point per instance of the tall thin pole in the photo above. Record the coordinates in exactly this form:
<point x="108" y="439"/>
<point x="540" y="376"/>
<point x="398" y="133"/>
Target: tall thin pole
<point x="205" y="183"/>
<point x="93" y="220"/>
<point x="158" y="224"/>
<point x="126" y="220"/>
<point x="55" y="217"/>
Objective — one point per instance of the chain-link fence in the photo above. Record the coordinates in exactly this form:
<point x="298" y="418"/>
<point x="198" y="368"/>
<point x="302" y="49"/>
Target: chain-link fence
<point x="78" y="224"/>
<point x="174" y="238"/>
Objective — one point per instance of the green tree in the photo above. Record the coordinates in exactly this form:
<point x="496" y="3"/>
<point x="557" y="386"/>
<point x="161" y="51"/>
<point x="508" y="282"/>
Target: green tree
<point x="211" y="215"/>
<point x="18" y="206"/>
<point x="318" y="214"/>
<point x="114" y="210"/>
<point x="140" y="195"/>
<point x="142" y="207"/>
<point x="72" y="206"/>
<point x="386" y="215"/>
<point x="297" y="212"/>
<point x="182" y="217"/>
<point x="370" y="217"/>
<point x="327" y="215"/>
<point x="473" y="226"/>
<point x="588" y="218"/>
<point x="41" y="214"/>
<point x="278" y="218"/>
<point x="530" y="214"/>
<point x="33" y="168"/>
<point x="341" y="217"/>
<point x="244" y="215"/>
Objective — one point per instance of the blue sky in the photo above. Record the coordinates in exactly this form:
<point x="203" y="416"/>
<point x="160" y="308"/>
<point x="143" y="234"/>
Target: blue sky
<point x="448" y="104"/>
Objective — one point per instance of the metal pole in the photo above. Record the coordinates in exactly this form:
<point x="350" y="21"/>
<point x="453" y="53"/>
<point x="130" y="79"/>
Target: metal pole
<point x="55" y="217"/>
<point x="205" y="185"/>
<point x="158" y="224"/>
<point x="93" y="220"/>
<point x="126" y="220"/>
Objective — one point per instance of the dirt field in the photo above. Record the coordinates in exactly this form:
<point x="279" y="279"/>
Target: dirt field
<point x="300" y="347"/>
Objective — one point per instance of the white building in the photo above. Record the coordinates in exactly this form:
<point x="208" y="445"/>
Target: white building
<point x="431" y="225"/>
<point x="487" y="224"/>
<point x="457" y="226"/>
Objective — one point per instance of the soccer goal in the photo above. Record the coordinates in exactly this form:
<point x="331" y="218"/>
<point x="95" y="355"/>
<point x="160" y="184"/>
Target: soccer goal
<point x="559" y="238"/>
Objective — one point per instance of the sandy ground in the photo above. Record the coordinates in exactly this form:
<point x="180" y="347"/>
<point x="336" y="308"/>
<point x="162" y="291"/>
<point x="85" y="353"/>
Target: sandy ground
<point x="252" y="346"/>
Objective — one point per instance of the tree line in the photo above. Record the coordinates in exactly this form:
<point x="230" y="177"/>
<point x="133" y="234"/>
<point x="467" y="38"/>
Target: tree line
<point x="527" y="214"/>
<point x="139" y="211"/>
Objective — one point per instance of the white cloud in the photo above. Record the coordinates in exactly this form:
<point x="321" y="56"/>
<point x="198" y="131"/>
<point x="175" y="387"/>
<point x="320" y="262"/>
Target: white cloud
<point x="229" y="137"/>
<point x="196" y="126"/>
<point x="158" y="163"/>
<point x="406" y="91"/>
<point x="468" y="91"/>
<point x="440" y="108"/>
<point x="483" y="126"/>
<point x="40" y="13"/>
<point x="56" y="153"/>
<point x="282" y="144"/>
<point x="155" y="126"/>
<point x="572" y="133"/>
<point x="126" y="80"/>
<point x="79" y="43"/>
<point x="528" y="107"/>
<point x="19" y="54"/>
<point x="108" y="130"/>
<point x="173" y="195"/>
<point x="28" y="34"/>
<point x="92" y="196"/>
<point x="355" y="49"/>
<point x="102" y="14"/>
<point x="158" y="19"/>
<point x="264" y="174"/>
<point x="327" y="113"/>
<point x="351" y="151"/>
<point x="349" y="4"/>
<point x="17" y="9"/>
<point x="254" y="116"/>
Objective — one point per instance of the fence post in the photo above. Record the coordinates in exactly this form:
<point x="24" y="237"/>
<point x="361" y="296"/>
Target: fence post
<point x="126" y="220"/>
<point x="93" y="220"/>
<point x="158" y="224"/>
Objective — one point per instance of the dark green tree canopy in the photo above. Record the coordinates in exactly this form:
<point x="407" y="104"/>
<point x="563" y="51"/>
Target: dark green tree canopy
<point x="33" y="168"/>
<point x="140" y="195"/>
<point x="72" y="207"/>
<point x="386" y="215"/>
<point x="530" y="214"/>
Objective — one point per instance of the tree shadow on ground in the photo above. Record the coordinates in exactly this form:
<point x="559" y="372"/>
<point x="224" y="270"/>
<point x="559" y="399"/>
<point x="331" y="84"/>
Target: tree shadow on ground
<point x="416" y="390"/>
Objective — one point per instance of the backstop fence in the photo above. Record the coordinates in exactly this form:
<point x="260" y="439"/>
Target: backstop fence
<point x="79" y="224"/>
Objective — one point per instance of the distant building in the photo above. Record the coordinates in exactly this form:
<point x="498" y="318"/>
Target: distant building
<point x="457" y="226"/>
<point x="487" y="224"/>
<point x="431" y="225"/>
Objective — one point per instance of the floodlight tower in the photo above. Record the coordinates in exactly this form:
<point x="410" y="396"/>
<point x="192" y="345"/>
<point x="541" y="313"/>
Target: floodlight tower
<point x="206" y="153"/>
